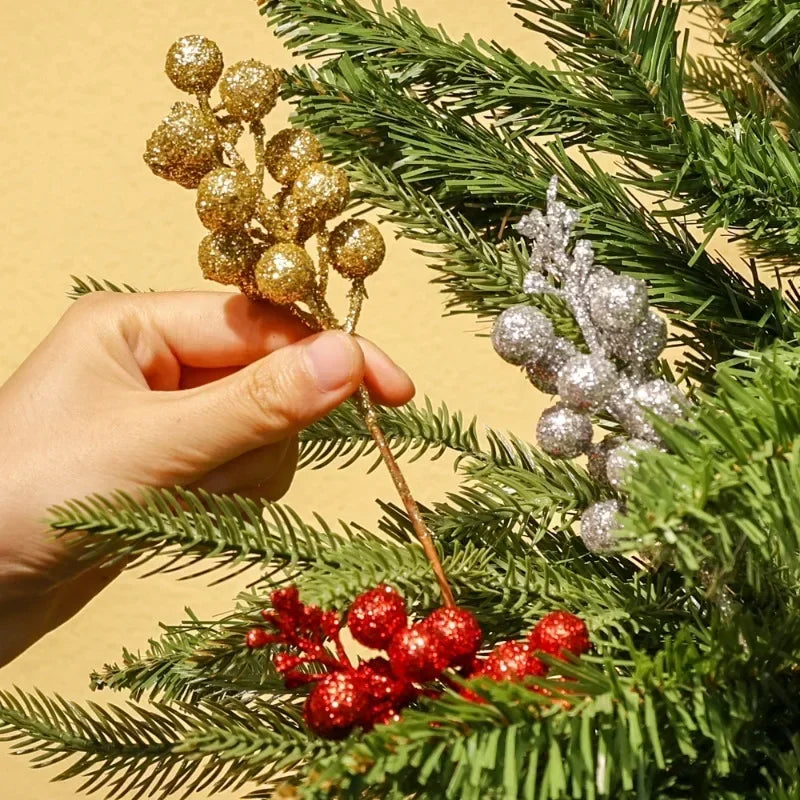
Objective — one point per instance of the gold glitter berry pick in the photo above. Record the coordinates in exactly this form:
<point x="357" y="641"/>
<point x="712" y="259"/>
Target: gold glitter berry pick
<point x="258" y="242"/>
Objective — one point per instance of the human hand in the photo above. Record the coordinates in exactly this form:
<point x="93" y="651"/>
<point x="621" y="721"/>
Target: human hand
<point x="202" y="389"/>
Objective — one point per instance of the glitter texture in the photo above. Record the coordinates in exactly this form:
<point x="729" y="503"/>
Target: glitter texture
<point x="511" y="661"/>
<point x="598" y="524"/>
<point x="559" y="632"/>
<point x="543" y="372"/>
<point x="285" y="274"/>
<point x="322" y="191"/>
<point x="249" y="90"/>
<point x="564" y="433"/>
<point x="376" y="616"/>
<point x="618" y="303"/>
<point x="226" y="198"/>
<point x="522" y="334"/>
<point x="658" y="397"/>
<point x="194" y="64"/>
<point x="336" y="705"/>
<point x="597" y="458"/>
<point x="416" y="654"/>
<point x="226" y="256"/>
<point x="293" y="226"/>
<point x="623" y="458"/>
<point x="644" y="343"/>
<point x="289" y="152"/>
<point x="459" y="631"/>
<point x="357" y="249"/>
<point x="587" y="381"/>
<point x="184" y="147"/>
<point x="387" y="693"/>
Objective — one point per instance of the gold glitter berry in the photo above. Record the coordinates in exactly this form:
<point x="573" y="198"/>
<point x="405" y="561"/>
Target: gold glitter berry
<point x="321" y="191"/>
<point x="184" y="147"/>
<point x="289" y="151"/>
<point x="194" y="64"/>
<point x="357" y="249"/>
<point x="249" y="90"/>
<point x="226" y="198"/>
<point x="285" y="274"/>
<point x="291" y="225"/>
<point x="227" y="255"/>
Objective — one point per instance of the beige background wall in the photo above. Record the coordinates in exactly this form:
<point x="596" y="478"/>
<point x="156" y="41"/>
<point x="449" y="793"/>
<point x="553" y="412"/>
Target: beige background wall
<point x="81" y="89"/>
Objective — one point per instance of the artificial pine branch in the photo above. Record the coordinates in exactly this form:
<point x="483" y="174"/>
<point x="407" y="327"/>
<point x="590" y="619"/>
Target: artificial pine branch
<point x="671" y="730"/>
<point x="622" y="62"/>
<point x="194" y="660"/>
<point x="481" y="176"/>
<point x="412" y="428"/>
<point x="189" y="527"/>
<point x="726" y="499"/>
<point x="767" y="34"/>
<point x="142" y="752"/>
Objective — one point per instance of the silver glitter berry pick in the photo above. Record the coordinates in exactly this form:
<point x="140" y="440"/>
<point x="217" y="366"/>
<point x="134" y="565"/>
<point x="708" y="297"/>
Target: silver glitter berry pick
<point x="624" y="337"/>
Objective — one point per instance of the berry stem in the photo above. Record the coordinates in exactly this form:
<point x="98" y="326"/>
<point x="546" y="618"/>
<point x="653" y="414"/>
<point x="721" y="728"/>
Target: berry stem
<point x="323" y="260"/>
<point x="327" y="321"/>
<point x="356" y="296"/>
<point x="258" y="132"/>
<point x="414" y="514"/>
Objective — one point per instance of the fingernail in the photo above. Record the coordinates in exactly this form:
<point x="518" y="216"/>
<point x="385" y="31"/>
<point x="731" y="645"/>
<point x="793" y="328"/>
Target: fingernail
<point x="331" y="360"/>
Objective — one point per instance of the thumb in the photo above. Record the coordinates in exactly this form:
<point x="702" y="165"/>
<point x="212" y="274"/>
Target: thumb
<point x="267" y="401"/>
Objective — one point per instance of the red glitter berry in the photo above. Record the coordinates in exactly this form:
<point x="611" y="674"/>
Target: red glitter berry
<point x="560" y="631"/>
<point x="417" y="654"/>
<point x="387" y="693"/>
<point x="257" y="638"/>
<point x="511" y="661"/>
<point x="460" y="633"/>
<point x="286" y="600"/>
<point x="376" y="616"/>
<point x="336" y="705"/>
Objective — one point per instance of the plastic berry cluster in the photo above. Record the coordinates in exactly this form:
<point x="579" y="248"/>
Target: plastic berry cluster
<point x="345" y="696"/>
<point x="257" y="241"/>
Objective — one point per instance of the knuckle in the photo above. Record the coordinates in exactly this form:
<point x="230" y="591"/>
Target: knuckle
<point x="271" y="392"/>
<point x="99" y="306"/>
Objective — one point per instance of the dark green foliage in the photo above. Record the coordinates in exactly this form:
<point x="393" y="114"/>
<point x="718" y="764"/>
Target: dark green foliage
<point x="692" y="688"/>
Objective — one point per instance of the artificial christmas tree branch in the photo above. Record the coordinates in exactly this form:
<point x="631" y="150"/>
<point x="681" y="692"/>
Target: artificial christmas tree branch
<point x="602" y="45"/>
<point x="767" y="35"/>
<point x="691" y="283"/>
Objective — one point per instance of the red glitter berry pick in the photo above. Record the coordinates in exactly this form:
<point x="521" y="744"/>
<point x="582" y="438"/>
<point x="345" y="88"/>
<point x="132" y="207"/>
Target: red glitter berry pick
<point x="460" y="633"/>
<point x="511" y="661"/>
<point x="417" y="654"/>
<point x="560" y="631"/>
<point x="336" y="705"/>
<point x="376" y="616"/>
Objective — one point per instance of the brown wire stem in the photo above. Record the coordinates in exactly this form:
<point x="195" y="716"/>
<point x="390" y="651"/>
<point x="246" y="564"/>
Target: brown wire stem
<point x="412" y="509"/>
<point x="326" y="319"/>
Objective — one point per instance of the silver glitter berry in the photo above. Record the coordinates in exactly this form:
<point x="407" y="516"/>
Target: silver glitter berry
<point x="564" y="433"/>
<point x="662" y="398"/>
<point x="632" y="403"/>
<point x="644" y="343"/>
<point x="618" y="303"/>
<point x="522" y="334"/>
<point x="597" y="458"/>
<point x="543" y="373"/>
<point x="587" y="381"/>
<point x="622" y="459"/>
<point x="598" y="524"/>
